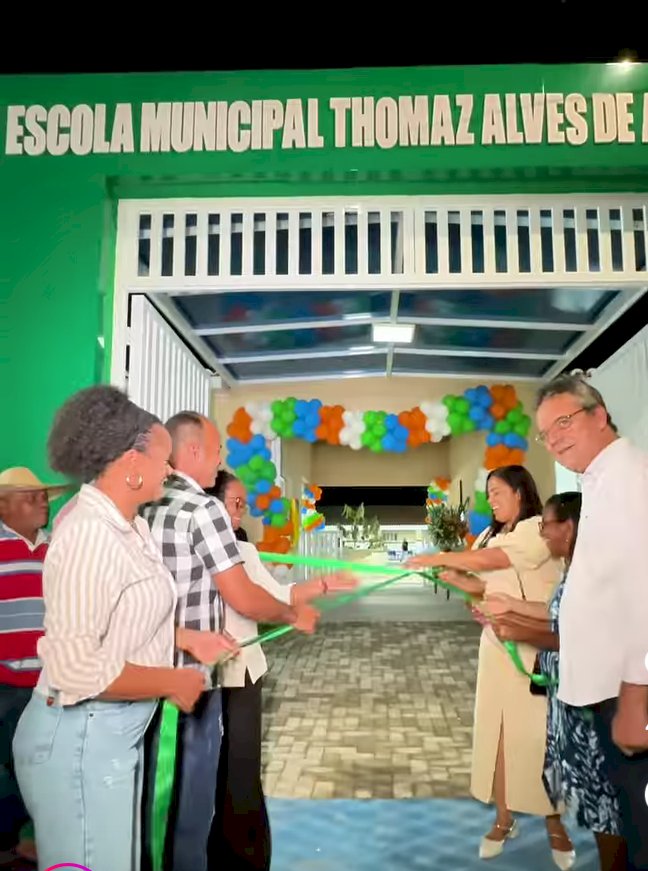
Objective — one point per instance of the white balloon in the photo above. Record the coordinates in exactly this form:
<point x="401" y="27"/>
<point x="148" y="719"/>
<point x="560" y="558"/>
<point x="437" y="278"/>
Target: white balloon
<point x="346" y="434"/>
<point x="356" y="443"/>
<point x="347" y="416"/>
<point x="251" y="408"/>
<point x="480" y="480"/>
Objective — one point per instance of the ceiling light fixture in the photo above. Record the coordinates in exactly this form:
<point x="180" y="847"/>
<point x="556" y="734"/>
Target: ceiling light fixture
<point x="400" y="334"/>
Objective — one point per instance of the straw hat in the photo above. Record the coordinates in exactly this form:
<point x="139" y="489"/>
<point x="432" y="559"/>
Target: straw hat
<point x="20" y="480"/>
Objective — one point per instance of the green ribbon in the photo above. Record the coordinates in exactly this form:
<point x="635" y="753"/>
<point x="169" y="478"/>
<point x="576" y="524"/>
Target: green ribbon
<point x="326" y="605"/>
<point x="167" y="743"/>
<point x="429" y="575"/>
<point x="164" y="778"/>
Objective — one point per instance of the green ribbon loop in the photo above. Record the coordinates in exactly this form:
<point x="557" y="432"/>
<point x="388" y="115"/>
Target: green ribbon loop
<point x="164" y="779"/>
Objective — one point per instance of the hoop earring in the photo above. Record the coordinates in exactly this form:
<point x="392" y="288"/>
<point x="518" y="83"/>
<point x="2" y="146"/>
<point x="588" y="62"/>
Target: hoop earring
<point x="137" y="486"/>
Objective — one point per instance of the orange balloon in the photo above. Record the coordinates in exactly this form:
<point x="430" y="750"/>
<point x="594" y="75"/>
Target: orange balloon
<point x="418" y="418"/>
<point x="498" y="411"/>
<point x="275" y="492"/>
<point x="263" y="501"/>
<point x="405" y="418"/>
<point x="322" y="432"/>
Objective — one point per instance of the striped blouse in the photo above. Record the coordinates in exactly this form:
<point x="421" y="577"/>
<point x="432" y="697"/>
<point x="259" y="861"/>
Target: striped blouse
<point x="109" y="601"/>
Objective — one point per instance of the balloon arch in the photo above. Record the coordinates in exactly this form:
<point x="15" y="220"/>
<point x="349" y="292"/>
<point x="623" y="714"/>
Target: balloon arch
<point x="495" y="410"/>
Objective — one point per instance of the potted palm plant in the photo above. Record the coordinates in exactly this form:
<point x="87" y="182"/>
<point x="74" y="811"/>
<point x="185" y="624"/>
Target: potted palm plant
<point x="447" y="525"/>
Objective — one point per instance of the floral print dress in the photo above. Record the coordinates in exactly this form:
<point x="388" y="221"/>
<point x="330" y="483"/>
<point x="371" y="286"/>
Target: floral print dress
<point x="574" y="770"/>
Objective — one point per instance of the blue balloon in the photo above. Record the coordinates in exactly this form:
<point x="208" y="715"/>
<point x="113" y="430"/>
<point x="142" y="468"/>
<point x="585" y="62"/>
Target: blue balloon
<point x="401" y="447"/>
<point x="315" y="405"/>
<point x="266" y="454"/>
<point x="401" y="432"/>
<point x="477" y="523"/>
<point x="484" y="397"/>
<point x="233" y="444"/>
<point x="299" y="428"/>
<point x="391" y="421"/>
<point x="524" y="445"/>
<point x="263" y="486"/>
<point x="313" y="420"/>
<point x="389" y="442"/>
<point x="488" y="421"/>
<point x="310" y="436"/>
<point x="476" y="413"/>
<point x="511" y="440"/>
<point x="255" y="512"/>
<point x="301" y="408"/>
<point x="277" y="506"/>
<point x="266" y="520"/>
<point x="257" y="442"/>
<point x="470" y="394"/>
<point x="493" y="439"/>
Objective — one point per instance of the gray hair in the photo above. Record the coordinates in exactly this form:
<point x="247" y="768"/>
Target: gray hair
<point x="576" y="385"/>
<point x="95" y="427"/>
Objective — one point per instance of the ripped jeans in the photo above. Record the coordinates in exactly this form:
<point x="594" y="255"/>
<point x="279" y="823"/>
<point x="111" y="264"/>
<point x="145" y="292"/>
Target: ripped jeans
<point x="80" y="773"/>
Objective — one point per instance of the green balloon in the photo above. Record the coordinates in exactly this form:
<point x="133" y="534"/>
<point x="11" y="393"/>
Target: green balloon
<point x="455" y="421"/>
<point x="521" y="429"/>
<point x="366" y="438"/>
<point x="288" y="415"/>
<point x="481" y="503"/>
<point x="468" y="425"/>
<point x="277" y="520"/>
<point x="277" y="407"/>
<point x="256" y="463"/>
<point x="291" y="402"/>
<point x="381" y="416"/>
<point x="245" y="475"/>
<point x="269" y="470"/>
<point x="502" y="427"/>
<point x="462" y="405"/>
<point x="379" y="430"/>
<point x="369" y="417"/>
<point x="376" y="447"/>
<point x="514" y="416"/>
<point x="449" y="402"/>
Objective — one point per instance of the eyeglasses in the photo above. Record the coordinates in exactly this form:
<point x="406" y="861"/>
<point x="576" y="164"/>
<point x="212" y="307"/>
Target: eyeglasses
<point x="561" y="423"/>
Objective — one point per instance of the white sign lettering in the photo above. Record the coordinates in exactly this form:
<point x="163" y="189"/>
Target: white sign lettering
<point x="297" y="124"/>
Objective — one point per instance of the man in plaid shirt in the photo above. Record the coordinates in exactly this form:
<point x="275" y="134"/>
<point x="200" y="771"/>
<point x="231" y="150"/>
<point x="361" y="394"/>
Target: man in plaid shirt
<point x="195" y="536"/>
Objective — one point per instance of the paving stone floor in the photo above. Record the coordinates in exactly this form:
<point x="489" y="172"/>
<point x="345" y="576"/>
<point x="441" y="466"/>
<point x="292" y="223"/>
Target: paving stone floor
<point x="371" y="710"/>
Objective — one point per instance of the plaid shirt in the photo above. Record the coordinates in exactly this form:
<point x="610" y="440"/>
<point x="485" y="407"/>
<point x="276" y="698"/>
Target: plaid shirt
<point x="195" y="537"/>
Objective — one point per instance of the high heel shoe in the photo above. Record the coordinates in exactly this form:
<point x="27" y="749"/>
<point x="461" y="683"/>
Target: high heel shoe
<point x="489" y="849"/>
<point x="563" y="859"/>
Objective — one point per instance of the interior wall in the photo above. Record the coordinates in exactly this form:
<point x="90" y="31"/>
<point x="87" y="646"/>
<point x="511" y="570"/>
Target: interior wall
<point x="460" y="457"/>
<point x="337" y="466"/>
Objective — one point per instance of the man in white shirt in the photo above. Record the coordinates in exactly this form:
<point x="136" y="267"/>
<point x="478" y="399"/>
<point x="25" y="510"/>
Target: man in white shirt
<point x="604" y="610"/>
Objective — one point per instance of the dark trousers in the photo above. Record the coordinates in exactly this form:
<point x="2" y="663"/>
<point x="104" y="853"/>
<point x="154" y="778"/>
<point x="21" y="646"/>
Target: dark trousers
<point x="194" y="801"/>
<point x="629" y="774"/>
<point x="13" y="813"/>
<point x="240" y="837"/>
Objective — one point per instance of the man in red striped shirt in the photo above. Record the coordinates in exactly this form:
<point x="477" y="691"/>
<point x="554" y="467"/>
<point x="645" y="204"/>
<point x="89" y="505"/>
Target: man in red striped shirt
<point x="24" y="512"/>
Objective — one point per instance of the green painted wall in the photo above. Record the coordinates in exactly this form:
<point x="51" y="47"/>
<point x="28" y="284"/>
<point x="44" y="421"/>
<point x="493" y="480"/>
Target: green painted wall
<point x="57" y="225"/>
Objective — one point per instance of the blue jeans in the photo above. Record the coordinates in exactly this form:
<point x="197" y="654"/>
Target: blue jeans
<point x="13" y="701"/>
<point x="199" y="744"/>
<point x="80" y="772"/>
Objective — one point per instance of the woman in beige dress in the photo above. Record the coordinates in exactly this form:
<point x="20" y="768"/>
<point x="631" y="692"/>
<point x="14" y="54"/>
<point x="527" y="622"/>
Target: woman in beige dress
<point x="510" y="723"/>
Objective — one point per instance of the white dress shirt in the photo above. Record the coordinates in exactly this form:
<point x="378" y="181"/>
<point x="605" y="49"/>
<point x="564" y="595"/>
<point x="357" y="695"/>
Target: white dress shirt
<point x="251" y="659"/>
<point x="604" y="610"/>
